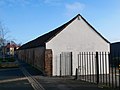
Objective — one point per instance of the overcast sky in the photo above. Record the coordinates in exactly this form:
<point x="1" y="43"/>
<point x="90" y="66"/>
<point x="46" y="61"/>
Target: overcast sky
<point x="28" y="19"/>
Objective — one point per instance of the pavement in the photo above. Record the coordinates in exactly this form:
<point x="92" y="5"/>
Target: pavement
<point x="28" y="78"/>
<point x="57" y="83"/>
<point x="13" y="79"/>
<point x="16" y="85"/>
<point x="10" y="73"/>
<point x="60" y="83"/>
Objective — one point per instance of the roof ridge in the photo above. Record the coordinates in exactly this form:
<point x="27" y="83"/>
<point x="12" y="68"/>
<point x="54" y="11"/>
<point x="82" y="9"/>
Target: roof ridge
<point x="48" y="35"/>
<point x="41" y="40"/>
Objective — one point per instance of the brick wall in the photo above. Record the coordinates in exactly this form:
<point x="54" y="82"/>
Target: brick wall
<point x="33" y="56"/>
<point x="48" y="62"/>
<point x="39" y="58"/>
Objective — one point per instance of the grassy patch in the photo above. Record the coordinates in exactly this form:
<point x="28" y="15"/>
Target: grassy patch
<point x="8" y="59"/>
<point x="8" y="62"/>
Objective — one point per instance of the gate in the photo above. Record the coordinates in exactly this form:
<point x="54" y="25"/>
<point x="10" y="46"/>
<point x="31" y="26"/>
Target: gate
<point x="100" y="67"/>
<point x="66" y="64"/>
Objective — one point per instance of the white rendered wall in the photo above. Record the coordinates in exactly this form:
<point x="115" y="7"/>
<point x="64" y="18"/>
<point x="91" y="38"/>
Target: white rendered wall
<point x="76" y="37"/>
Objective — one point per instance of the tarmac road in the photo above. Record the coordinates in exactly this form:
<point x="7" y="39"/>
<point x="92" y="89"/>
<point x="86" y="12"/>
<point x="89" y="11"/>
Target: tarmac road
<point x="58" y="83"/>
<point x="13" y="79"/>
<point x="28" y="78"/>
<point x="10" y="73"/>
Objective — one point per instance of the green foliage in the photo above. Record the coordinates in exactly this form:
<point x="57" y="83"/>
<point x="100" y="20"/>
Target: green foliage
<point x="8" y="59"/>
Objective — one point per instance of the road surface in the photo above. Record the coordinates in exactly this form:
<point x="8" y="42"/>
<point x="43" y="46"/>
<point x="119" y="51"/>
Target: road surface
<point x="28" y="78"/>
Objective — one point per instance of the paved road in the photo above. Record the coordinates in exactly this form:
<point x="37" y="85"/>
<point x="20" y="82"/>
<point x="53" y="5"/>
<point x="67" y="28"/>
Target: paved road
<point x="16" y="85"/>
<point x="10" y="73"/>
<point x="58" y="83"/>
<point x="28" y="78"/>
<point x="13" y="79"/>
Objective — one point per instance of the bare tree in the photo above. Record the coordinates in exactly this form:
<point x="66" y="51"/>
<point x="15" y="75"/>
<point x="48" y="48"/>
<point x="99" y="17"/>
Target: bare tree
<point x="3" y="40"/>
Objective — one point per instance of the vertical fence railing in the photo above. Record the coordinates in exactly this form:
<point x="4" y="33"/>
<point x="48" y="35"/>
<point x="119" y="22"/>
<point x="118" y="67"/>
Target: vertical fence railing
<point x="87" y="64"/>
<point x="90" y="65"/>
<point x="101" y="67"/>
<point x="97" y="68"/>
<point x="115" y="64"/>
<point x="93" y="66"/>
<point x="102" y="59"/>
<point x="119" y="68"/>
<point x="106" y="67"/>
<point x="112" y="65"/>
<point x="109" y="58"/>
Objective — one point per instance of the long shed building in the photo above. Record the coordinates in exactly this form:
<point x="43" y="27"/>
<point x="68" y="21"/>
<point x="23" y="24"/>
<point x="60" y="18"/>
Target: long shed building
<point x="56" y="53"/>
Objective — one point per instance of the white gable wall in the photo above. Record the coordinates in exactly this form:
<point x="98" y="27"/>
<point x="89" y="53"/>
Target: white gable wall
<point x="76" y="37"/>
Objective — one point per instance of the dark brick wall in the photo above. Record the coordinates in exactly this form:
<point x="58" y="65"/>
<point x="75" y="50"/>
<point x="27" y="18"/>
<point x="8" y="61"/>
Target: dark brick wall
<point x="48" y="62"/>
<point x="33" y="56"/>
<point x="39" y="58"/>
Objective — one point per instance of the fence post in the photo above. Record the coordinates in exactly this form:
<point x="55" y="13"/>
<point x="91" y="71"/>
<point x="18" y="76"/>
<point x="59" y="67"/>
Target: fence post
<point x="76" y="76"/>
<point x="71" y="63"/>
<point x="60" y="66"/>
<point x="97" y="68"/>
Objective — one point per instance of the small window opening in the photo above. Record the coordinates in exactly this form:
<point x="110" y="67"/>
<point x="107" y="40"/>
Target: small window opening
<point x="78" y="18"/>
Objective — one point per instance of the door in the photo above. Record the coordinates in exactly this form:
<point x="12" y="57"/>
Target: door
<point x="66" y="64"/>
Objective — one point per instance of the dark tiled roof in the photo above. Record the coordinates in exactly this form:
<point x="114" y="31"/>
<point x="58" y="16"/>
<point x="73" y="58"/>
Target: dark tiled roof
<point x="11" y="46"/>
<point x="40" y="41"/>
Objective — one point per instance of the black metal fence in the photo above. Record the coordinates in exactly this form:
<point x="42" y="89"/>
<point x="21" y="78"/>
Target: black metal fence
<point x="101" y="68"/>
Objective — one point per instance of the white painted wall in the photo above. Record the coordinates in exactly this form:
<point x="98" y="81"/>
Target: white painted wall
<point x="75" y="38"/>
